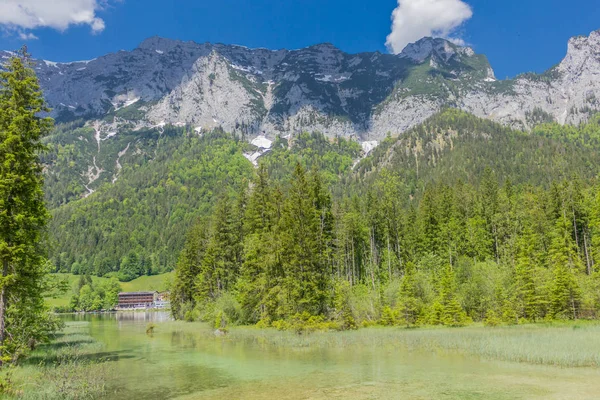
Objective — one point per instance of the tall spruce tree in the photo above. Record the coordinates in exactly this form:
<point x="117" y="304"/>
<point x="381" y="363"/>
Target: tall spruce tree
<point x="408" y="300"/>
<point x="527" y="302"/>
<point x="188" y="268"/>
<point x="564" y="259"/>
<point x="305" y="262"/>
<point x="221" y="263"/>
<point x="23" y="214"/>
<point x="261" y="269"/>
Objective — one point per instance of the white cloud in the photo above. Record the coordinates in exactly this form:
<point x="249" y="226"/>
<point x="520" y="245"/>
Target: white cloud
<point x="457" y="41"/>
<point x="415" y="19"/>
<point x="27" y="36"/>
<point x="17" y="15"/>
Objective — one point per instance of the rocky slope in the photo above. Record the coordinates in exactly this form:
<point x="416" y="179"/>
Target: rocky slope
<point x="254" y="91"/>
<point x="116" y="111"/>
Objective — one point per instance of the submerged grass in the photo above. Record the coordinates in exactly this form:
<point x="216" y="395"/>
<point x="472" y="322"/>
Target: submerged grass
<point x="73" y="366"/>
<point x="556" y="344"/>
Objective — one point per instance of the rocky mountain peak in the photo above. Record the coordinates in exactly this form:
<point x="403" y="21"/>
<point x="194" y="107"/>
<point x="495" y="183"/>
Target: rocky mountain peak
<point x="158" y="43"/>
<point x="317" y="88"/>
<point x="323" y="47"/>
<point x="583" y="53"/>
<point x="441" y="49"/>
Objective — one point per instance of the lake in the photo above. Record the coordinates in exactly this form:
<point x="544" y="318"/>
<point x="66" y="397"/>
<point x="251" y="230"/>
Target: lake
<point x="186" y="361"/>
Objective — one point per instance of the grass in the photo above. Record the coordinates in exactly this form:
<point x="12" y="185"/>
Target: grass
<point x="153" y="282"/>
<point x="73" y="366"/>
<point x="561" y="344"/>
<point x="143" y="283"/>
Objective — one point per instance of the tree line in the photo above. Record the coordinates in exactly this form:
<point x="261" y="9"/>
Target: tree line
<point x="497" y="252"/>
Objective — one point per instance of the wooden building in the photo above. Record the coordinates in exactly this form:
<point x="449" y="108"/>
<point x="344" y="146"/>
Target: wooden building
<point x="137" y="299"/>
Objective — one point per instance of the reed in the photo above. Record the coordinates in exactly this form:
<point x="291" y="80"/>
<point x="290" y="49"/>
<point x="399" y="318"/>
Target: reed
<point x="568" y="344"/>
<point x="73" y="366"/>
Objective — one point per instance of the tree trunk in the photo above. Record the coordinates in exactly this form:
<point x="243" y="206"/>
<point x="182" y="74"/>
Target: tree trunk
<point x="3" y="310"/>
<point x="389" y="257"/>
<point x="587" y="257"/>
<point x="575" y="229"/>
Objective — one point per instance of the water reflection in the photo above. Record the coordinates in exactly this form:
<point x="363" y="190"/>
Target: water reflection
<point x="129" y="316"/>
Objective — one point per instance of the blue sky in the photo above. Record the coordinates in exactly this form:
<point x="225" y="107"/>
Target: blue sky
<point x="516" y="35"/>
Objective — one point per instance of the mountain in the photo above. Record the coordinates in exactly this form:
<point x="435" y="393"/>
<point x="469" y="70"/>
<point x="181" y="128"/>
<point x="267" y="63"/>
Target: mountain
<point x="147" y="140"/>
<point x="318" y="88"/>
<point x="179" y="176"/>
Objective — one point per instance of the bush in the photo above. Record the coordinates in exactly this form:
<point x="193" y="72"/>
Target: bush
<point x="389" y="317"/>
<point x="62" y="309"/>
<point x="492" y="319"/>
<point x="220" y="320"/>
<point x="306" y="323"/>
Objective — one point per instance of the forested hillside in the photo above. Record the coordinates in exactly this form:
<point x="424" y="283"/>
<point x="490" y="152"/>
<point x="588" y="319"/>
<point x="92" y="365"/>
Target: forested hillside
<point x="135" y="223"/>
<point x="507" y="245"/>
<point x="455" y="146"/>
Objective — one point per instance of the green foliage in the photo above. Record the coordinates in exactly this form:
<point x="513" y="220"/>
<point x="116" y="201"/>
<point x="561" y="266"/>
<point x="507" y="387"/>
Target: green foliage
<point x="389" y="317"/>
<point x="90" y="296"/>
<point x="492" y="319"/>
<point x="333" y="157"/>
<point x="24" y="320"/>
<point x="409" y="307"/>
<point x="137" y="225"/>
<point x="455" y="253"/>
<point x="458" y="219"/>
<point x="454" y="146"/>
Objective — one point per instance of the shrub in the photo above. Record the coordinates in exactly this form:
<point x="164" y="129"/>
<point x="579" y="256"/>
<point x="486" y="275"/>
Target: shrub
<point x="389" y="317"/>
<point x="492" y="319"/>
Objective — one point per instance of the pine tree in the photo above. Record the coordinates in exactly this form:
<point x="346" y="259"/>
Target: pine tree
<point x="188" y="268"/>
<point x="261" y="268"/>
<point x="221" y="264"/>
<point x="307" y="272"/>
<point x="408" y="301"/>
<point x="452" y="312"/>
<point x="490" y="203"/>
<point x="23" y="214"/>
<point x="526" y="300"/>
<point x="565" y="262"/>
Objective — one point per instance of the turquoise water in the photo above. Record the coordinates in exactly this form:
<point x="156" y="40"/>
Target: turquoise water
<point x="185" y="361"/>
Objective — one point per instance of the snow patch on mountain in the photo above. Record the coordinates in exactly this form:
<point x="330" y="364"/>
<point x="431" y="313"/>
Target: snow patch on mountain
<point x="368" y="146"/>
<point x="261" y="142"/>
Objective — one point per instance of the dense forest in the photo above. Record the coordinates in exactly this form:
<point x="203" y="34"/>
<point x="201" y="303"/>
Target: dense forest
<point x="458" y="253"/>
<point x="459" y="219"/>
<point x="137" y="224"/>
<point x="493" y="233"/>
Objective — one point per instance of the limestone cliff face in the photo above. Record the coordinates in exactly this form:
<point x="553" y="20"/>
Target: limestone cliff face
<point x="367" y="95"/>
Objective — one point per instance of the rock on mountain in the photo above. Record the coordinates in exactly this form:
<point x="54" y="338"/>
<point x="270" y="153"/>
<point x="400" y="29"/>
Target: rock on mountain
<point x="367" y="95"/>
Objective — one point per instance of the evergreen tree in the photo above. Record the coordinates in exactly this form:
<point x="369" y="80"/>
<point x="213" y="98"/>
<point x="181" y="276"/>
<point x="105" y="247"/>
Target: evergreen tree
<point x="305" y="262"/>
<point x="452" y="312"/>
<point x="261" y="269"/>
<point x="23" y="214"/>
<point x="222" y="258"/>
<point x="408" y="302"/>
<point x="565" y="262"/>
<point x="527" y="302"/>
<point x="183" y="296"/>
